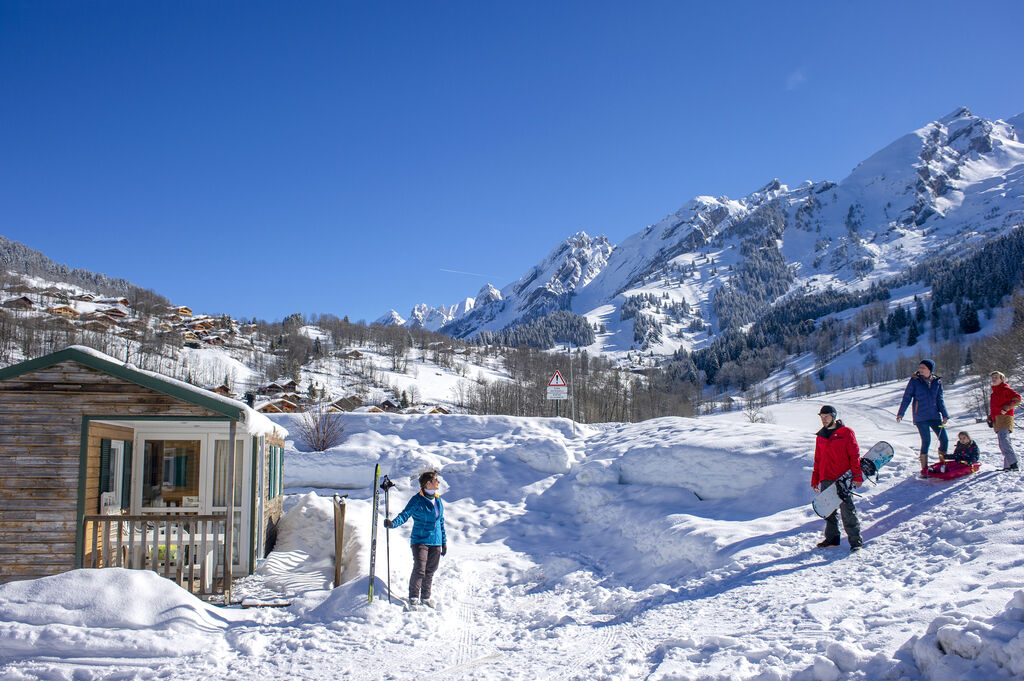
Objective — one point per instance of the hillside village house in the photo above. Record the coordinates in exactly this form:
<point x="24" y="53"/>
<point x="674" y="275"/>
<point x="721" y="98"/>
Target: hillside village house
<point x="22" y="303"/>
<point x="108" y="465"/>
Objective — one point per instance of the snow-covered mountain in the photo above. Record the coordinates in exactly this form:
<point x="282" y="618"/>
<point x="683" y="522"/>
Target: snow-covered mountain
<point x="720" y="262"/>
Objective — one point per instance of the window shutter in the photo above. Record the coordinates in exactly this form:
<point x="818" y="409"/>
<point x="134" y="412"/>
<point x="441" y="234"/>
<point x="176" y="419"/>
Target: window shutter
<point x="181" y="471"/>
<point x="280" y="470"/>
<point x="126" y="477"/>
<point x="104" y="465"/>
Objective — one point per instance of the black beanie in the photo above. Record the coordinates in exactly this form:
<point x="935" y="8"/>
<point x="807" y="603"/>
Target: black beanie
<point x="828" y="410"/>
<point x="930" y="364"/>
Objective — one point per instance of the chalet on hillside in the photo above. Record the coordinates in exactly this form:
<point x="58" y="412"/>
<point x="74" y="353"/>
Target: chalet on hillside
<point x="216" y="341"/>
<point x="64" y="311"/>
<point x="368" y="409"/>
<point x="289" y="386"/>
<point x="112" y="301"/>
<point x="83" y="297"/>
<point x="22" y="303"/>
<point x="271" y="388"/>
<point x="222" y="390"/>
<point x="351" y="354"/>
<point x="116" y="312"/>
<point x="350" y="403"/>
<point x="389" y="406"/>
<point x="278" y="406"/>
<point x="105" y="465"/>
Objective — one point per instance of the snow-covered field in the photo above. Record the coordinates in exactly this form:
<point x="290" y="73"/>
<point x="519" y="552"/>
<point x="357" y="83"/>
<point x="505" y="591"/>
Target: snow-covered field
<point x="666" y="550"/>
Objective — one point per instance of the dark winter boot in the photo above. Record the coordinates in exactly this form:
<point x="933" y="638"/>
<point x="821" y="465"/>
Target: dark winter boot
<point x="827" y="544"/>
<point x="1012" y="467"/>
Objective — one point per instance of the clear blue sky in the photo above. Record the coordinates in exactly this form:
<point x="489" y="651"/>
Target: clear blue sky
<point x="264" y="158"/>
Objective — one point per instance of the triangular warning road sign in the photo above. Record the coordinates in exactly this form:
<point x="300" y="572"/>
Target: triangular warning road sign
<point x="556" y="380"/>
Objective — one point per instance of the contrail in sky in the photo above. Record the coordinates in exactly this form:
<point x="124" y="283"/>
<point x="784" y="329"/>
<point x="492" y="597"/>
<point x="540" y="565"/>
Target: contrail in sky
<point x="472" y="274"/>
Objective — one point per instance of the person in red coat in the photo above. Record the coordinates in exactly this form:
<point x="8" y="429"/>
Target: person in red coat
<point x="835" y="452"/>
<point x="1000" y="417"/>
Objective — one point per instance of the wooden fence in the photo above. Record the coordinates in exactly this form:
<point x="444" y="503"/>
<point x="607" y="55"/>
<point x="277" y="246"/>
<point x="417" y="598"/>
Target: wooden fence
<point x="188" y="549"/>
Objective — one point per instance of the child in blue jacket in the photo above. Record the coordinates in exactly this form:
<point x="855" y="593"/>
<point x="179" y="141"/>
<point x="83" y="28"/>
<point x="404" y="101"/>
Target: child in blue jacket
<point x="428" y="540"/>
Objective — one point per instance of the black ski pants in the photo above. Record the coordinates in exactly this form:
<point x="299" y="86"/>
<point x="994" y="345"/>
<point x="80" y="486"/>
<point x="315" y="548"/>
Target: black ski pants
<point x="425" y="560"/>
<point x="850" y="522"/>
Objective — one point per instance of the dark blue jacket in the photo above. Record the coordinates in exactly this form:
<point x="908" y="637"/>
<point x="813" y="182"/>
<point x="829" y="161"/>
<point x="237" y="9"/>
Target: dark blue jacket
<point x="927" y="397"/>
<point x="427" y="520"/>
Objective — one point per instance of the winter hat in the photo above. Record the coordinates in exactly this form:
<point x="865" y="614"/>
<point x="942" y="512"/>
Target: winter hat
<point x="828" y="410"/>
<point x="930" y="364"/>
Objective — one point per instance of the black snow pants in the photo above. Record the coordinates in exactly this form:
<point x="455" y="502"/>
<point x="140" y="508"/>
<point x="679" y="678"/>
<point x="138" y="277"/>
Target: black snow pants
<point x="850" y="522"/>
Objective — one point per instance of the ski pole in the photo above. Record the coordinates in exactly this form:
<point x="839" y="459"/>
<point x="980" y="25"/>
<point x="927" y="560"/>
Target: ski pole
<point x="386" y="485"/>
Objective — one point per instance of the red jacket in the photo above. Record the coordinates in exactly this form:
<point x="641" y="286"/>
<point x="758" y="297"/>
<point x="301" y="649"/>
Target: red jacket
<point x="1003" y="396"/>
<point x="835" y="452"/>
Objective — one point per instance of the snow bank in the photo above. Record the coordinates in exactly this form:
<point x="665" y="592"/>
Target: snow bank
<point x="957" y="647"/>
<point x="107" y="612"/>
<point x="674" y="497"/>
<point x="406" y="445"/>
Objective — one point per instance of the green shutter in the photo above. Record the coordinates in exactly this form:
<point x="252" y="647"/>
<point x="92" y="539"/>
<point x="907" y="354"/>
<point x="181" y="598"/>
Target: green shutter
<point x="126" y="476"/>
<point x="181" y="471"/>
<point x="104" y="465"/>
<point x="280" y="470"/>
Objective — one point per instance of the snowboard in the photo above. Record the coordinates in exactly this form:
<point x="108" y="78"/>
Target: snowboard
<point x="373" y="528"/>
<point x="828" y="500"/>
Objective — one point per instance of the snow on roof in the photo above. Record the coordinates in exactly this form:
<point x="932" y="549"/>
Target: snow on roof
<point x="255" y="423"/>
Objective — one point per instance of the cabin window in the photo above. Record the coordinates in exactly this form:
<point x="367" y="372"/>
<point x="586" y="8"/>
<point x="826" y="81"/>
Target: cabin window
<point x="220" y="472"/>
<point x="170" y="472"/>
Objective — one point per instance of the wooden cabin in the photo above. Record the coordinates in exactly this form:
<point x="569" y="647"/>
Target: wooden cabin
<point x="106" y="465"/>
<point x="116" y="312"/>
<point x="289" y="386"/>
<point x="348" y="403"/>
<point x="351" y="354"/>
<point x="389" y="406"/>
<point x="278" y="406"/>
<point x="63" y="311"/>
<point x="22" y="303"/>
<point x="221" y="390"/>
<point x="83" y="297"/>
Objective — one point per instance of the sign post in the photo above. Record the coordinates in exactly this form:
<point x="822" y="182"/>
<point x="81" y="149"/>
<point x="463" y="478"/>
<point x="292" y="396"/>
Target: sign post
<point x="557" y="389"/>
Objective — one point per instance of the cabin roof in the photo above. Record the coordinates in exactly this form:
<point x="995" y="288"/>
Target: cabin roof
<point x="255" y="423"/>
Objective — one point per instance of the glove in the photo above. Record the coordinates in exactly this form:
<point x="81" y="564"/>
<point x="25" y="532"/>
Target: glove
<point x="388" y="524"/>
<point x="990" y="421"/>
<point x="444" y="548"/>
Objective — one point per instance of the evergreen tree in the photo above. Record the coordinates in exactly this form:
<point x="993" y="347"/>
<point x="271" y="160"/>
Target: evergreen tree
<point x="969" y="322"/>
<point x="912" y="334"/>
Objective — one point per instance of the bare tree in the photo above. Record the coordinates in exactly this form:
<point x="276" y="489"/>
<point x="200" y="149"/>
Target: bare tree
<point x="320" y="429"/>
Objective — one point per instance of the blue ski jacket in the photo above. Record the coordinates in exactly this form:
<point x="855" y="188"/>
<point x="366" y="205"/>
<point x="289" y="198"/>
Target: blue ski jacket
<point x="927" y="397"/>
<point x="427" y="520"/>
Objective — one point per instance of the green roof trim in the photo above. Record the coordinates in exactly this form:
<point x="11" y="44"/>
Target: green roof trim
<point x="168" y="387"/>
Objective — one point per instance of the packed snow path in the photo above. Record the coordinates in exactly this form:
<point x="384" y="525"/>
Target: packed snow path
<point x="551" y="584"/>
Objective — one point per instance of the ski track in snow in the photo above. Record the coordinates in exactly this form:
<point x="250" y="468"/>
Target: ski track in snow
<point x="777" y="609"/>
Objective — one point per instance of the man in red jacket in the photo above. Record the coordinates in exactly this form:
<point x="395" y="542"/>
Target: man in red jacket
<point x="836" y="452"/>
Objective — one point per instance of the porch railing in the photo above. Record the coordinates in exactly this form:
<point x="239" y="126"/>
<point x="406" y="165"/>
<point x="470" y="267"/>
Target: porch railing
<point x="188" y="549"/>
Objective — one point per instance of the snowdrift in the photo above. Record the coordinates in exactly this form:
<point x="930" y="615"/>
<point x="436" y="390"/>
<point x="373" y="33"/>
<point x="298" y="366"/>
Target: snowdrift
<point x="406" y="445"/>
<point x="111" y="611"/>
<point x="654" y="500"/>
<point x="958" y="647"/>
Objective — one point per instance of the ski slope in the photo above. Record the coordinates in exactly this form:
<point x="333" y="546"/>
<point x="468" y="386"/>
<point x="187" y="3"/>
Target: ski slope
<point x="666" y="550"/>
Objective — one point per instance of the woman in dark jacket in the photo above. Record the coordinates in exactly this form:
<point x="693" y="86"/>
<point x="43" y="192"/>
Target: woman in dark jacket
<point x="429" y="541"/>
<point x="925" y="389"/>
